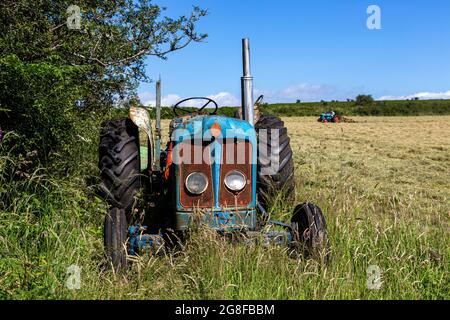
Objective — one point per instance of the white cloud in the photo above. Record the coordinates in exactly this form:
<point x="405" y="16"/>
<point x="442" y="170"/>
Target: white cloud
<point x="225" y="99"/>
<point x="222" y="99"/>
<point x="170" y="99"/>
<point x="420" y="95"/>
<point x="148" y="99"/>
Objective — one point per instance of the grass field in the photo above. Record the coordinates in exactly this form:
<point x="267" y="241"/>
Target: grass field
<point x="383" y="184"/>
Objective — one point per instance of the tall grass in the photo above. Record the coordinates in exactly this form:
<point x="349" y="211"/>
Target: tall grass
<point x="382" y="189"/>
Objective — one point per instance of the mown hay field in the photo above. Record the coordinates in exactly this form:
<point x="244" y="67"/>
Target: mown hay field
<point x="383" y="184"/>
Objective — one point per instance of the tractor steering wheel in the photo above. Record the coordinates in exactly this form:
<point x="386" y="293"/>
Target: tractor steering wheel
<point x="177" y="108"/>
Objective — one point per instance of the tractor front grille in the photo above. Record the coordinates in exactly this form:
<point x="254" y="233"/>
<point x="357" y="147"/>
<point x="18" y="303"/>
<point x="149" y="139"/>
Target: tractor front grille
<point x="236" y="155"/>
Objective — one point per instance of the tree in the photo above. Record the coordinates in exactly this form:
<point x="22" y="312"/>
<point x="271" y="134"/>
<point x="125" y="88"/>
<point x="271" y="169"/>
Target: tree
<point x="364" y="100"/>
<point x="52" y="68"/>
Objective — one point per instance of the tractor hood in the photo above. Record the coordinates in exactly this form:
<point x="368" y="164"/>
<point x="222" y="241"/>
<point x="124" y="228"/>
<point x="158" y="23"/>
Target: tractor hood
<point x="210" y="127"/>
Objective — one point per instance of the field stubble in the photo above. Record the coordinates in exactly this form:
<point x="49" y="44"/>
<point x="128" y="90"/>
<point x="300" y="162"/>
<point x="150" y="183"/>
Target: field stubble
<point x="383" y="184"/>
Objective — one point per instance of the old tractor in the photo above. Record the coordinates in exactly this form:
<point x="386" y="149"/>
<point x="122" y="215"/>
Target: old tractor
<point x="330" y="116"/>
<point x="215" y="170"/>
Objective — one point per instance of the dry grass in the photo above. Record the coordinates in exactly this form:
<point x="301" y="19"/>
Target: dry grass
<point x="379" y="157"/>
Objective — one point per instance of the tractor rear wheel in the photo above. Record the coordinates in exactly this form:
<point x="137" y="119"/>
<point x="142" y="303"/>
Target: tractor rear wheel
<point x="310" y="231"/>
<point x="119" y="164"/>
<point x="116" y="229"/>
<point x="276" y="166"/>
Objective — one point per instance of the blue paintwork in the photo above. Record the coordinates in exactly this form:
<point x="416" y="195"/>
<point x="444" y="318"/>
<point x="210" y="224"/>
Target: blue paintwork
<point x="198" y="128"/>
<point x="279" y="238"/>
<point x="328" y="116"/>
<point x="139" y="240"/>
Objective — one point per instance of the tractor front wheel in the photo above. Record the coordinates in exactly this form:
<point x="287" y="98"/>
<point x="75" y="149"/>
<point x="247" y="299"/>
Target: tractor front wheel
<point x="119" y="165"/>
<point x="116" y="229"/>
<point x="310" y="232"/>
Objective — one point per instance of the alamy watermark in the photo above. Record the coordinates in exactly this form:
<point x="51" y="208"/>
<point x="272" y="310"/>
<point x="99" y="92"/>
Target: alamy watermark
<point x="373" y="281"/>
<point x="374" y="19"/>
<point x="73" y="21"/>
<point x="73" y="281"/>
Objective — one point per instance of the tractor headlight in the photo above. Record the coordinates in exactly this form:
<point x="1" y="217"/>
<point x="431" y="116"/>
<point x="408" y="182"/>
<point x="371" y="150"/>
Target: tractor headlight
<point x="196" y="182"/>
<point x="235" y="181"/>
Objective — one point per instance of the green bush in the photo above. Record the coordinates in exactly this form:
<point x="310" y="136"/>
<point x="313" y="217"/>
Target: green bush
<point x="42" y="110"/>
<point x="52" y="77"/>
<point x="364" y="99"/>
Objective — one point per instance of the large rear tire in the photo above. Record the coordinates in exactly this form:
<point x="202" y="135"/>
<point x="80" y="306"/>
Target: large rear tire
<point x="282" y="178"/>
<point x="119" y="164"/>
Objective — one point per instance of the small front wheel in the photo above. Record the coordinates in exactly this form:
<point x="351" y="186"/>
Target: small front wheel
<point x="115" y="237"/>
<point x="310" y="231"/>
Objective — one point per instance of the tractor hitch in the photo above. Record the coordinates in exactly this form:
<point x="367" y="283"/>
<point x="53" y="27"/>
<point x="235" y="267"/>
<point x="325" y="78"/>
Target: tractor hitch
<point x="138" y="240"/>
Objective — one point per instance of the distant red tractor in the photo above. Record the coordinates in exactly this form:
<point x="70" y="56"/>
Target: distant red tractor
<point x="329" y="117"/>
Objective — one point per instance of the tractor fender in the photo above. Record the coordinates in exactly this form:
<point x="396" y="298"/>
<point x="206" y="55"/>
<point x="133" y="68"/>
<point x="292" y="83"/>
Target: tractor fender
<point x="141" y="119"/>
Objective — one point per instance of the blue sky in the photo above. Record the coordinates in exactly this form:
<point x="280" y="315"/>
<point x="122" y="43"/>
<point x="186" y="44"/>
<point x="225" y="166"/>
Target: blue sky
<point x="310" y="50"/>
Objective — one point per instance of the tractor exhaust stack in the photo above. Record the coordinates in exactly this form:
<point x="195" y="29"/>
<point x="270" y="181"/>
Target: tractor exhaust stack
<point x="157" y="160"/>
<point x="247" y="84"/>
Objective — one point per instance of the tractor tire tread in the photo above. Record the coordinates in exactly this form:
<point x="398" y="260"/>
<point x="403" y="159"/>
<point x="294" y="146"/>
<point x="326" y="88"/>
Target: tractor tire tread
<point x="283" y="178"/>
<point x="119" y="163"/>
